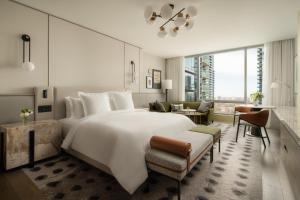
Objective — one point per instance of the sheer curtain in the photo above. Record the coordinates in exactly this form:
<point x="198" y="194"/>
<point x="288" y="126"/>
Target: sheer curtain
<point x="175" y="72"/>
<point x="279" y="68"/>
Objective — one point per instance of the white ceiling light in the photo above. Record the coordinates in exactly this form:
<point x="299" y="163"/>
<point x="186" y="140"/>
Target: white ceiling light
<point x="189" y="25"/>
<point x="192" y="11"/>
<point x="180" y="19"/>
<point x="174" y="31"/>
<point x="148" y="13"/>
<point x="162" y="32"/>
<point x="166" y="11"/>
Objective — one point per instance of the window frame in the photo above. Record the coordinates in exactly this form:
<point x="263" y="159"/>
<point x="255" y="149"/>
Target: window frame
<point x="245" y="68"/>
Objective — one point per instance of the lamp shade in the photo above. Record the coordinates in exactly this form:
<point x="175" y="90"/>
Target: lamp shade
<point x="166" y="11"/>
<point x="174" y="31"/>
<point x="167" y="84"/>
<point x="180" y="20"/>
<point x="189" y="25"/>
<point x="148" y="13"/>
<point x="274" y="85"/>
<point x="162" y="33"/>
<point x="29" y="66"/>
<point x="192" y="11"/>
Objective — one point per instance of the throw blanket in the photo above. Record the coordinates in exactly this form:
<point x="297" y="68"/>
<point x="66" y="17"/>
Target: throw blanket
<point x="119" y="140"/>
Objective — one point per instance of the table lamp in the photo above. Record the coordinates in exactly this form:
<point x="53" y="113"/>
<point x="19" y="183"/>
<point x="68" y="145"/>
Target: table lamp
<point x="167" y="85"/>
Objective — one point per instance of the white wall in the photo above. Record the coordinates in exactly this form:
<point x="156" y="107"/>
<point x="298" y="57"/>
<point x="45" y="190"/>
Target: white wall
<point x="16" y="20"/>
<point x="89" y="58"/>
<point x="77" y="56"/>
<point x="149" y="62"/>
<point x="298" y="63"/>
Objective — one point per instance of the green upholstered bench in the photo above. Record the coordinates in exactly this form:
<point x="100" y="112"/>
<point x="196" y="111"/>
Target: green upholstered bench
<point x="215" y="132"/>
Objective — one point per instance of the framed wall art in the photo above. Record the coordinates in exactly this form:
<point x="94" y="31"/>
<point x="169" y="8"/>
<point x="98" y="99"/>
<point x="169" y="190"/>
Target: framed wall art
<point x="156" y="79"/>
<point x="149" y="82"/>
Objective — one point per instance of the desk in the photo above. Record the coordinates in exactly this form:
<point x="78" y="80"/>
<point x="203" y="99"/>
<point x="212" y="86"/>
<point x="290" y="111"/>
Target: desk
<point x="289" y="120"/>
<point x="258" y="106"/>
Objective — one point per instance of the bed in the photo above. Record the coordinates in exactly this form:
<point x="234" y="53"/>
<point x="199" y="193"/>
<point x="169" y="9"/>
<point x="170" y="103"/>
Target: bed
<point x="116" y="141"/>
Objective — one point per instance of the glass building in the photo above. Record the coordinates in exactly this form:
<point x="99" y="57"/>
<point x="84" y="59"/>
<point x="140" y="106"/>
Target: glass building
<point x="199" y="78"/>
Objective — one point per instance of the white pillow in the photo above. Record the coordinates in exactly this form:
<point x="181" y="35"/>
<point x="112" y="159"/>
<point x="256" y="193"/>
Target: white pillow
<point x="94" y="103"/>
<point x="121" y="100"/>
<point x="68" y="106"/>
<point x="76" y="108"/>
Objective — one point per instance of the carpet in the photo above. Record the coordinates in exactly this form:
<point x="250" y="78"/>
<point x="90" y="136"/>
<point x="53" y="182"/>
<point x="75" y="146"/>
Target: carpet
<point x="235" y="174"/>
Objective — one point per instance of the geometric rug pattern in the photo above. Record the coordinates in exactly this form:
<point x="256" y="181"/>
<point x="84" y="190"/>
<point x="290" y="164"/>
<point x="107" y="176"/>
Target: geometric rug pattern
<point x="235" y="174"/>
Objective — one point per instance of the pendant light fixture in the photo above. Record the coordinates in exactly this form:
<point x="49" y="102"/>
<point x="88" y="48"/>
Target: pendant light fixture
<point x="182" y="19"/>
<point x="27" y="65"/>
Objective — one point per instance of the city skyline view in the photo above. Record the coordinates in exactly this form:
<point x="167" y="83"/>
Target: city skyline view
<point x="227" y="80"/>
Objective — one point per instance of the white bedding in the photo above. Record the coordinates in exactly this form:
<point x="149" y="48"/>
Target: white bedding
<point x="119" y="139"/>
<point x="67" y="124"/>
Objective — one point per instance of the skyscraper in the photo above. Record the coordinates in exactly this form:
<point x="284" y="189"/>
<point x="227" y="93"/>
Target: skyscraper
<point x="260" y="56"/>
<point x="199" y="78"/>
<point x="207" y="77"/>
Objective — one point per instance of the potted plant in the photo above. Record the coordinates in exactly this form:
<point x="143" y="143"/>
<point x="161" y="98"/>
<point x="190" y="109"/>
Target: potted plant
<point x="256" y="97"/>
<point x="25" y="114"/>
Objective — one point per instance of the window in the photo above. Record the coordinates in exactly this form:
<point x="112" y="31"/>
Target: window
<point x="229" y="76"/>
<point x="254" y="71"/>
<point x="191" y="79"/>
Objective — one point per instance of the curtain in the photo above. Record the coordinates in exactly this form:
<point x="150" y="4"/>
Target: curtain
<point x="175" y="72"/>
<point x="279" y="68"/>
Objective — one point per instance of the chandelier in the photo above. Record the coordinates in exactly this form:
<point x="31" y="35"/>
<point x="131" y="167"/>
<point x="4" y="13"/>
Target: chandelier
<point x="182" y="19"/>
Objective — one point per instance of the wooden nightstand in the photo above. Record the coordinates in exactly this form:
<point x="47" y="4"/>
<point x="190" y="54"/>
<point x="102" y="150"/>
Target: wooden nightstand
<point x="23" y="144"/>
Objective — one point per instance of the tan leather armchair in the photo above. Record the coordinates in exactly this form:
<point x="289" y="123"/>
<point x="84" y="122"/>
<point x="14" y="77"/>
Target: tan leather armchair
<point x="255" y="119"/>
<point x="238" y="110"/>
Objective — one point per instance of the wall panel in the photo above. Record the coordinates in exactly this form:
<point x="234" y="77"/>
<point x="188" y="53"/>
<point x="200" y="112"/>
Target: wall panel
<point x="16" y="20"/>
<point x="80" y="57"/>
<point x="149" y="62"/>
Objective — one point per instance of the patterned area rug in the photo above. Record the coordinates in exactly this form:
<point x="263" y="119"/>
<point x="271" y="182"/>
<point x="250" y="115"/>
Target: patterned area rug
<point x="235" y="174"/>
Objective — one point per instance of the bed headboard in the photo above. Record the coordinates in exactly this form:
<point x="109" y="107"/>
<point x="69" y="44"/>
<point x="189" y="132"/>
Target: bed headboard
<point x="61" y="92"/>
<point x="139" y="99"/>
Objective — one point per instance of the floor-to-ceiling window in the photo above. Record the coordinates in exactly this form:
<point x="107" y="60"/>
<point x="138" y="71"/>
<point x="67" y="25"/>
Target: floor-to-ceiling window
<point x="229" y="76"/>
<point x="191" y="78"/>
<point x="226" y="77"/>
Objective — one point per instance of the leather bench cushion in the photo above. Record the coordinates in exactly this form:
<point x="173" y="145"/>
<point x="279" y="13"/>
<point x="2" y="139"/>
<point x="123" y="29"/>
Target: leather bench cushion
<point x="215" y="132"/>
<point x="201" y="143"/>
<point x="176" y="147"/>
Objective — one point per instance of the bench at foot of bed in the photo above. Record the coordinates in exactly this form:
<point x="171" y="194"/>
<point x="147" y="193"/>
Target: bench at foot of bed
<point x="175" y="163"/>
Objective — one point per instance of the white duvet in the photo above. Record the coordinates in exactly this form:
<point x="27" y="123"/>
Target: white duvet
<point x="119" y="140"/>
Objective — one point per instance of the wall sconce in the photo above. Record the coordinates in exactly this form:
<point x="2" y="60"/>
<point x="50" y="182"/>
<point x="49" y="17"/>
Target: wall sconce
<point x="28" y="65"/>
<point x="133" y="75"/>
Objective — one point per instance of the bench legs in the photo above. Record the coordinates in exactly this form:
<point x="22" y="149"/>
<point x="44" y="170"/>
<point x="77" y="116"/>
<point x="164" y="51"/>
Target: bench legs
<point x="147" y="187"/>
<point x="178" y="189"/>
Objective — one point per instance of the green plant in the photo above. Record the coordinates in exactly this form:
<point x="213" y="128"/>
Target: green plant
<point x="25" y="113"/>
<point x="256" y="96"/>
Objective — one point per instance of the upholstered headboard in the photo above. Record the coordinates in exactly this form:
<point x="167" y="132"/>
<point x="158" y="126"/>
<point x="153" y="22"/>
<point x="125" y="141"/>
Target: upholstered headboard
<point x="139" y="99"/>
<point x="61" y="92"/>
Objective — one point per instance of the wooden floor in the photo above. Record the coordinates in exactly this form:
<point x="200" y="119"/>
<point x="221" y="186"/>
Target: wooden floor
<point x="15" y="185"/>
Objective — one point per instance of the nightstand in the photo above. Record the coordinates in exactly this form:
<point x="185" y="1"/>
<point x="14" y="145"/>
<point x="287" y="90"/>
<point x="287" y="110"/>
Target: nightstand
<point x="23" y="144"/>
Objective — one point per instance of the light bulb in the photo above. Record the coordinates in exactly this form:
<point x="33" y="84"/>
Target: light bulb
<point x="166" y="11"/>
<point x="148" y="13"/>
<point x="162" y="32"/>
<point x="189" y="25"/>
<point x="29" y="66"/>
<point x="180" y="20"/>
<point x="174" y="31"/>
<point x="192" y="11"/>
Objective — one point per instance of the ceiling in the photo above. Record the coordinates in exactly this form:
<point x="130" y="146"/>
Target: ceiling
<point x="220" y="24"/>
